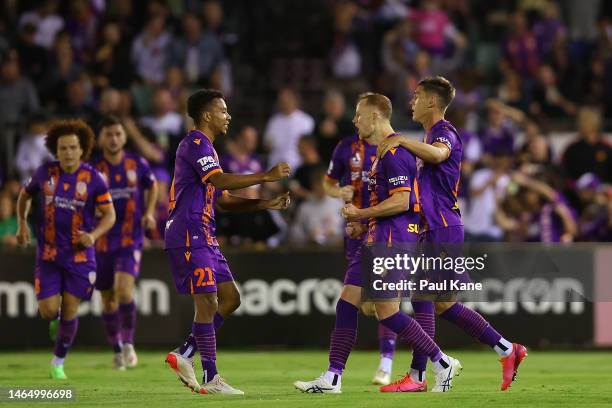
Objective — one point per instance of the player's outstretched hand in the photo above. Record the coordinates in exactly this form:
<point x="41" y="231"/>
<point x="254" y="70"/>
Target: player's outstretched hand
<point x="85" y="239"/>
<point x="355" y="229"/>
<point x="281" y="170"/>
<point x="350" y="212"/>
<point x="388" y="144"/>
<point x="23" y="235"/>
<point x="148" y="221"/>
<point x="346" y="193"/>
<point x="281" y="202"/>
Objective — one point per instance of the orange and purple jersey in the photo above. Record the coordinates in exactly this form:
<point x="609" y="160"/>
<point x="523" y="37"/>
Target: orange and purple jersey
<point x="127" y="182"/>
<point x="349" y="166"/>
<point x="438" y="184"/>
<point x="394" y="172"/>
<point x="68" y="205"/>
<point x="191" y="222"/>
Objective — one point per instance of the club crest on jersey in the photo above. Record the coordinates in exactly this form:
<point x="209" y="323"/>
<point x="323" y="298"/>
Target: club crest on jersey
<point x="51" y="185"/>
<point x="137" y="255"/>
<point x="81" y="188"/>
<point x="92" y="277"/>
<point x="131" y="176"/>
<point x="356" y="160"/>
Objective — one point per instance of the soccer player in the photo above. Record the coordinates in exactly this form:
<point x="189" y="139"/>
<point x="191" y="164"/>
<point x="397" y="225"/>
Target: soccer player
<point x="70" y="192"/>
<point x="133" y="189"/>
<point x="198" y="267"/>
<point x="438" y="182"/>
<point x="390" y="215"/>
<point x="347" y="178"/>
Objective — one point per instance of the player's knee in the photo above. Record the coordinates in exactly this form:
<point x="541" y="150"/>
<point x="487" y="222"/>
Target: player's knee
<point x="234" y="303"/>
<point x="368" y="309"/>
<point x="124" y="295"/>
<point x="109" y="305"/>
<point x="48" y="312"/>
<point x="386" y="309"/>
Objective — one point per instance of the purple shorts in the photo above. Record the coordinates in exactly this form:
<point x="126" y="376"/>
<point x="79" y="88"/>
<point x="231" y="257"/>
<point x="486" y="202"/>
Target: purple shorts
<point x="353" y="272"/>
<point x="51" y="278"/>
<point x="198" y="270"/>
<point x="447" y="235"/>
<point x="122" y="260"/>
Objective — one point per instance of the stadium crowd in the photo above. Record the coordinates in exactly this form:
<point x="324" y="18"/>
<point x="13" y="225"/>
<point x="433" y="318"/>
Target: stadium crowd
<point x="529" y="75"/>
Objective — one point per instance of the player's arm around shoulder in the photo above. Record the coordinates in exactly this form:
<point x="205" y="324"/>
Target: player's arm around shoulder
<point x="232" y="203"/>
<point x="434" y="153"/>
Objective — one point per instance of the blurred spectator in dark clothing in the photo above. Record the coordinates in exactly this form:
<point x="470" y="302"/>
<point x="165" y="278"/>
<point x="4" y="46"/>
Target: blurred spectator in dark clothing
<point x="32" y="57"/>
<point x="399" y="48"/>
<point x="78" y="100"/>
<point x="18" y="96"/>
<point x="511" y="91"/>
<point x="590" y="153"/>
<point x="46" y="22"/>
<point x="520" y="50"/>
<point x="62" y="69"/>
<point x="345" y="57"/>
<point x="301" y="184"/>
<point x="333" y="125"/>
<point x="549" y="29"/>
<point x="547" y="100"/>
<point x="175" y="84"/>
<point x="31" y="150"/>
<point x="148" y="50"/>
<point x="82" y="24"/>
<point x="198" y="53"/>
<point x="111" y="59"/>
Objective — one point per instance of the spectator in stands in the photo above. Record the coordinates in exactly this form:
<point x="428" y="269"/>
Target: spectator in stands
<point x="434" y="28"/>
<point x="78" y="99"/>
<point x="46" y="21"/>
<point x="399" y="48"/>
<point x="17" y="93"/>
<point x="240" y="158"/>
<point x="487" y="188"/>
<point x="148" y="50"/>
<point x="8" y="222"/>
<point x="285" y="128"/>
<point x="111" y="59"/>
<point x="31" y="151"/>
<point x="547" y="99"/>
<point x="333" y="125"/>
<point x="82" y="25"/>
<point x="62" y="69"/>
<point x="590" y="153"/>
<point x="594" y="222"/>
<point x="549" y="29"/>
<point x="520" y="49"/>
<point x="345" y="57"/>
<point x="318" y="220"/>
<point x="197" y="53"/>
<point x="32" y="57"/>
<point x="165" y="122"/>
<point x="537" y="213"/>
<point x="502" y="126"/>
<point x="301" y="185"/>
<point x="511" y="91"/>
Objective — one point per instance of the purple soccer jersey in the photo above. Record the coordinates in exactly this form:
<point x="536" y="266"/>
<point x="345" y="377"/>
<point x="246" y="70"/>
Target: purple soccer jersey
<point x="394" y="172"/>
<point x="68" y="204"/>
<point x="438" y="184"/>
<point x="192" y="198"/>
<point x="127" y="182"/>
<point x="350" y="165"/>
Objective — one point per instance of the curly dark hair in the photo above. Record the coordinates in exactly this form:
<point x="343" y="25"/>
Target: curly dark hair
<point x="71" y="127"/>
<point x="198" y="102"/>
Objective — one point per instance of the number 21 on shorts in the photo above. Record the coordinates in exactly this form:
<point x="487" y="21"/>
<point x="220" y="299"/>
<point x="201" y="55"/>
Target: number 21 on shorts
<point x="205" y="276"/>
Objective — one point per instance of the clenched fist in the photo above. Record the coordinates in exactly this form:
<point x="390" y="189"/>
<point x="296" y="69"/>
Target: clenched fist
<point x="350" y="212"/>
<point x="281" y="170"/>
<point x="347" y="193"/>
<point x="279" y="203"/>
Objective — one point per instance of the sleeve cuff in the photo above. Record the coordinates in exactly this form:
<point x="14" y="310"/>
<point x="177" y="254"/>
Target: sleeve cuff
<point x="207" y="176"/>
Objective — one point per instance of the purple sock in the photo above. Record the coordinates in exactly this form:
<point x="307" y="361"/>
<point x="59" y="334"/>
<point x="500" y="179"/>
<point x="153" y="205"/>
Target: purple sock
<point x="189" y="347"/>
<point x="111" y="326"/>
<point x="386" y="341"/>
<point x="127" y="313"/>
<point x="65" y="336"/>
<point x="409" y="330"/>
<point x="204" y="334"/>
<point x="472" y="323"/>
<point x="343" y="336"/>
<point x="218" y="321"/>
<point x="424" y="314"/>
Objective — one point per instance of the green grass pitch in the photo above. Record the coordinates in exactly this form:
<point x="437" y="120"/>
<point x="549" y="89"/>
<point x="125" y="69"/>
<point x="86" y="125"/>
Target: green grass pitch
<point x="546" y="379"/>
